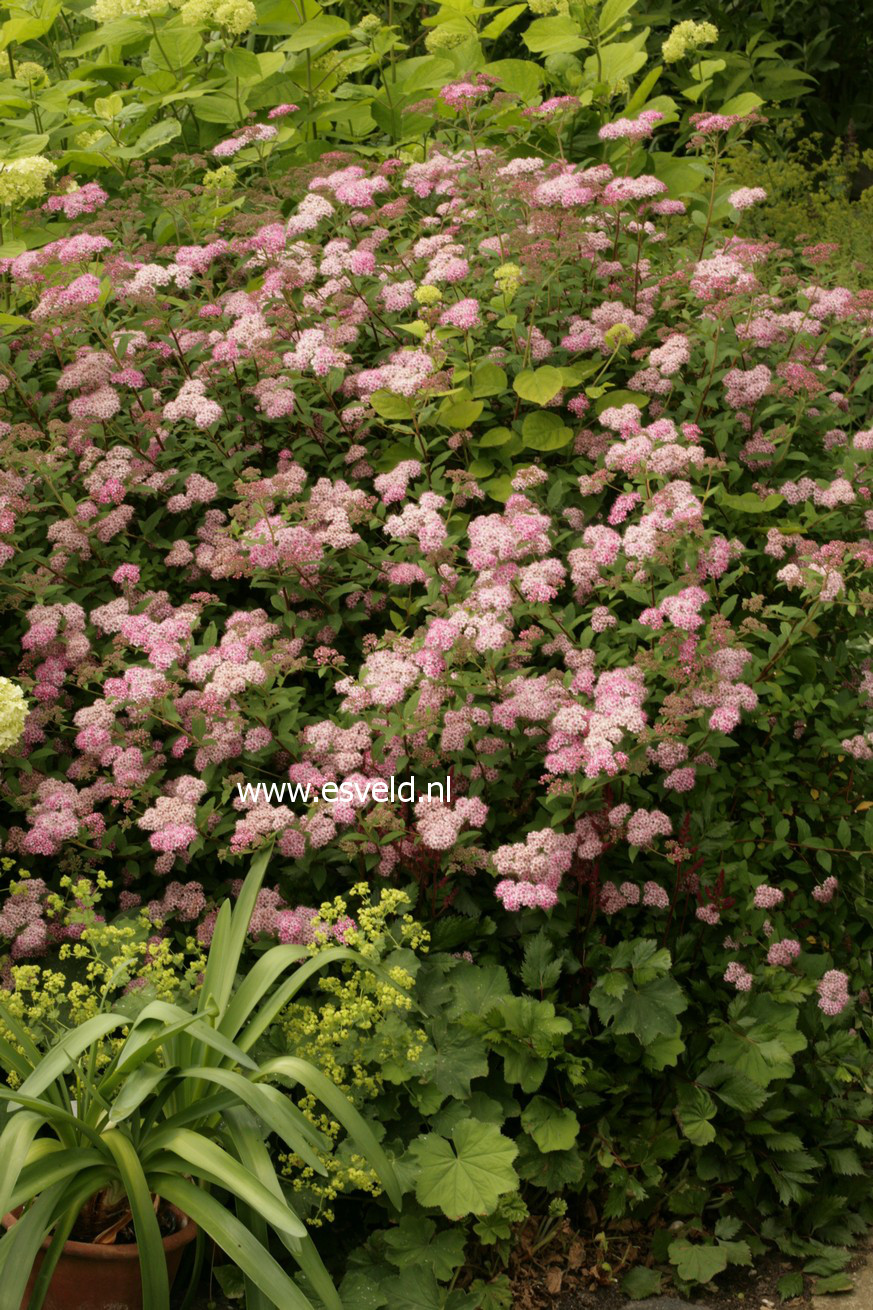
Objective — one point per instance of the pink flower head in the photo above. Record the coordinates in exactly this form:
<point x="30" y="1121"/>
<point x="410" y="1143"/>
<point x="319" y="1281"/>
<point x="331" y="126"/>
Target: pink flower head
<point x="631" y="129"/>
<point x="465" y="314"/>
<point x="746" y="197"/>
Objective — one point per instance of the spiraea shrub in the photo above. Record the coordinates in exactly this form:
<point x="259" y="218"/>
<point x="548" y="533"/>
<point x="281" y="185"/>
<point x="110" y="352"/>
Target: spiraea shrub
<point x="491" y="468"/>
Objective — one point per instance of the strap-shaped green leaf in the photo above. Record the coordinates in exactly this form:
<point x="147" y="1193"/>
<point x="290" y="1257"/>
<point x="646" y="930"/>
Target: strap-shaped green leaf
<point x="278" y="999"/>
<point x="288" y="1066"/>
<point x="152" y="1260"/>
<point x="254" y="1155"/>
<point x="234" y="1239"/>
<point x="66" y="1051"/>
<point x="227" y="947"/>
<point x="55" y="1167"/>
<point x="258" y="983"/>
<point x="20" y="1244"/>
<point x="68" y="1127"/>
<point x="140" y="1084"/>
<point x="198" y="1155"/>
<point x="276" y="1112"/>
<point x="73" y="1197"/>
<point x="14" y="1145"/>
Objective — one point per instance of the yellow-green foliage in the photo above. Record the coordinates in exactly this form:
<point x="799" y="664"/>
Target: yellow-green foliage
<point x="359" y="1030"/>
<point x="809" y="195"/>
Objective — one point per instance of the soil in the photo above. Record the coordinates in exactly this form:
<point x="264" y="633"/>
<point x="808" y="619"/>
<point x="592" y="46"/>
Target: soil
<point x="83" y="1231"/>
<point x="576" y="1272"/>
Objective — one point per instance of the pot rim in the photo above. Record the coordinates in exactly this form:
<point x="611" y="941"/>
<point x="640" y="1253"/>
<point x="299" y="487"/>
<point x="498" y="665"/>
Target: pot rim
<point x="120" y="1250"/>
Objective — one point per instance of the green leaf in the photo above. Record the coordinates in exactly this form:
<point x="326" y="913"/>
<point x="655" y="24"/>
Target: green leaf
<point x="159" y="134"/>
<point x="694" y="1108"/>
<point x="389" y="405"/>
<point x="648" y="1011"/>
<point x="751" y="503"/>
<point x="117" y="34"/>
<point x="551" y="1127"/>
<point x="612" y="13"/>
<point x="468" y="1174"/>
<point x="835" y="1283"/>
<point x="500" y="489"/>
<point x="459" y="1058"/>
<point x="505" y="18"/>
<point x="234" y="1239"/>
<point x="544" y="431"/>
<point x="461" y="414"/>
<point x="176" y="49"/>
<point x="495" y="437"/>
<point x="318" y="31"/>
<point x="488" y="380"/>
<point x="663" y="1051"/>
<point x="153" y="1262"/>
<point x="538" y="385"/>
<point x="552" y="36"/>
<point x="790" y="1285"/>
<point x="477" y="987"/>
<point x="415" y="1241"/>
<point x="615" y="399"/>
<point x="341" y="1109"/>
<point x="640" y="1282"/>
<point x="415" y="1289"/>
<point x="242" y="64"/>
<point x="696" y="1263"/>
<point x="201" y="1156"/>
<point x="522" y="77"/>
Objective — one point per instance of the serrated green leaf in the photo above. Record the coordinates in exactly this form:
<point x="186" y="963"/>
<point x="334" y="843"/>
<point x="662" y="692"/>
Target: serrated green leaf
<point x="789" y="1286"/>
<point x="469" y="1173"/>
<point x="552" y="1127"/>
<point x="640" y="1282"/>
<point x="695" y="1262"/>
<point x="694" y="1108"/>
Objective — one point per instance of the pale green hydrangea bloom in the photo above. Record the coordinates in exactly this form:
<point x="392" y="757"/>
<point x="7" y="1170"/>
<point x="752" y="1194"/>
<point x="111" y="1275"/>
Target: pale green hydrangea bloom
<point x="29" y="72"/>
<point x="13" y="712"/>
<point x="687" y="36"/>
<point x="24" y="179"/>
<point x="107" y="11"/>
<point x="235" y="16"/>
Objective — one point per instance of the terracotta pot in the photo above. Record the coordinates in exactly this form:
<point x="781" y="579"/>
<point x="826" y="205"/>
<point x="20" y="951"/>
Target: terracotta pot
<point x="92" y="1277"/>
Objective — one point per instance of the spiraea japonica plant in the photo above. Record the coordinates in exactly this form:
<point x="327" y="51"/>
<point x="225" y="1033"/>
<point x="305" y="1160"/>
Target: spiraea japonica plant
<point x="501" y="468"/>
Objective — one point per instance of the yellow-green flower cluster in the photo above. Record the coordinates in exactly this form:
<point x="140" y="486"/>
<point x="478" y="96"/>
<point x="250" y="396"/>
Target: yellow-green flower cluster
<point x="686" y="36"/>
<point x="120" y="966"/>
<point x="106" y="11"/>
<point x="29" y="72"/>
<point x="235" y="16"/>
<point x="24" y="179"/>
<point x="427" y="295"/>
<point x="508" y="279"/>
<point x="620" y="334"/>
<point x="446" y="37"/>
<point x="549" y="6"/>
<point x="85" y="140"/>
<point x="220" y="178"/>
<point x="13" y="706"/>
<point x="358" y="1032"/>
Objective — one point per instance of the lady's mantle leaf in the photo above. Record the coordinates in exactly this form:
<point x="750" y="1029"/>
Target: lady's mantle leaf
<point x="697" y="1263"/>
<point x="468" y="1174"/>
